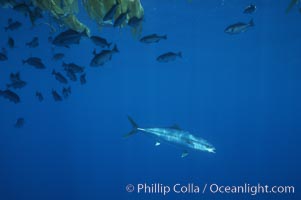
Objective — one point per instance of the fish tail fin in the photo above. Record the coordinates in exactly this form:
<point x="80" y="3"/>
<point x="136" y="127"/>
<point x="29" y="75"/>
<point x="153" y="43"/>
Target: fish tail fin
<point x="85" y="33"/>
<point x="251" y="22"/>
<point x="134" y="127"/>
<point x="180" y="54"/>
<point x="291" y="5"/>
<point x="115" y="49"/>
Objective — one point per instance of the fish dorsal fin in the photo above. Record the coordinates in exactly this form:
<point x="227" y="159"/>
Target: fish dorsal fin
<point x="175" y="126"/>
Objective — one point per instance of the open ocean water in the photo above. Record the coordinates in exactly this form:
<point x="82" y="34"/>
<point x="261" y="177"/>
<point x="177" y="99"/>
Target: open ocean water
<point x="239" y="92"/>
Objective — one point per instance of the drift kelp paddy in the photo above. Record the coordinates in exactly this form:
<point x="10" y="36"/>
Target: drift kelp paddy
<point x="67" y="30"/>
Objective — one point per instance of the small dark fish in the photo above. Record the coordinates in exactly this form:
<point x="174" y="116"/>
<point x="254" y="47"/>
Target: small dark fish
<point x="111" y="13"/>
<point x="67" y="38"/>
<point x="135" y="21"/>
<point x="39" y="96"/>
<point x="83" y="79"/>
<point x="19" y="123"/>
<point x="153" y="38"/>
<point x="59" y="77"/>
<point x="11" y="42"/>
<point x="16" y="81"/>
<point x="102" y="42"/>
<point x="58" y="56"/>
<point x="121" y="19"/>
<point x="104" y="56"/>
<point x="17" y="84"/>
<point x="35" y="62"/>
<point x="71" y="75"/>
<point x="56" y="96"/>
<point x="10" y="95"/>
<point x="13" y="26"/>
<point x="33" y="43"/>
<point x="250" y="9"/>
<point x="35" y="15"/>
<point x="14" y="77"/>
<point x="10" y="20"/>
<point x="3" y="57"/>
<point x="66" y="92"/>
<point x="167" y="57"/>
<point x="73" y="67"/>
<point x="239" y="27"/>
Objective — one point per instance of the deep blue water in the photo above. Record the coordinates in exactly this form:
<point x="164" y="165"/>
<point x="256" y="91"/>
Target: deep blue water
<point x="239" y="92"/>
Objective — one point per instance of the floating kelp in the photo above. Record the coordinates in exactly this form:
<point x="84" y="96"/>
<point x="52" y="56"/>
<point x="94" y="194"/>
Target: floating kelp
<point x="104" y="12"/>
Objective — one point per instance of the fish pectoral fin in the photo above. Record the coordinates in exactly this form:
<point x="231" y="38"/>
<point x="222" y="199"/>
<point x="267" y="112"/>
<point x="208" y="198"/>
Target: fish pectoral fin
<point x="175" y="126"/>
<point x="157" y="144"/>
<point x="133" y="132"/>
<point x="184" y="154"/>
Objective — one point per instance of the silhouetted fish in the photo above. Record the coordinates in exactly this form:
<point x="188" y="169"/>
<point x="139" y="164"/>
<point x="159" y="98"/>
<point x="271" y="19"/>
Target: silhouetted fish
<point x="16" y="81"/>
<point x="239" y="27"/>
<point x="33" y="43"/>
<point x="13" y="26"/>
<point x="59" y="77"/>
<point x="250" y="9"/>
<point x="73" y="67"/>
<point x="121" y="19"/>
<point x="135" y="21"/>
<point x="11" y="42"/>
<point x="104" y="56"/>
<point x="19" y="123"/>
<point x="66" y="38"/>
<point x="66" y="92"/>
<point x="39" y="96"/>
<point x="56" y="96"/>
<point x="14" y="77"/>
<point x="102" y="42"/>
<point x="17" y="84"/>
<point x="71" y="75"/>
<point x="153" y="38"/>
<point x="111" y="13"/>
<point x="3" y="57"/>
<point x="58" y="56"/>
<point x="35" y="62"/>
<point x="10" y="95"/>
<point x="167" y="57"/>
<point x="35" y="15"/>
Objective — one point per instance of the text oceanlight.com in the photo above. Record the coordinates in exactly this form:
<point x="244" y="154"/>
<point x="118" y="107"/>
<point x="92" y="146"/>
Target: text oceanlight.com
<point x="192" y="188"/>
